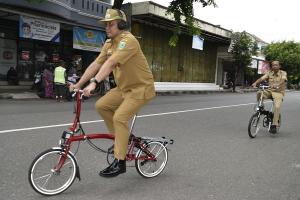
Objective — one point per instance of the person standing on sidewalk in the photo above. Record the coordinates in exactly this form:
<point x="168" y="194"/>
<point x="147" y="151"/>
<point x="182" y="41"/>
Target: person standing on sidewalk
<point x="276" y="79"/>
<point x="60" y="76"/>
<point x="121" y="54"/>
<point x="48" y="81"/>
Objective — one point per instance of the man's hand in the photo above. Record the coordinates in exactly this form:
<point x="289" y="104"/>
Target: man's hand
<point x="253" y="85"/>
<point x="88" y="89"/>
<point x="72" y="87"/>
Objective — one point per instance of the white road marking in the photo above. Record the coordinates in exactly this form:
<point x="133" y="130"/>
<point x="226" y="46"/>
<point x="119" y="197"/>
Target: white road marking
<point x="140" y="116"/>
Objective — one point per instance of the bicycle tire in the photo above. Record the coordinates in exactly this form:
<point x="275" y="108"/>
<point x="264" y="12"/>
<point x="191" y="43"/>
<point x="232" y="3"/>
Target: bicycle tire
<point x="254" y="120"/>
<point x="144" y="166"/>
<point x="46" y="182"/>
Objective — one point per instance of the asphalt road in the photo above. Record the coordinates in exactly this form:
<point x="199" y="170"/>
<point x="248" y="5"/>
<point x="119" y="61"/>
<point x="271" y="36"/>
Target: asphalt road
<point x="212" y="158"/>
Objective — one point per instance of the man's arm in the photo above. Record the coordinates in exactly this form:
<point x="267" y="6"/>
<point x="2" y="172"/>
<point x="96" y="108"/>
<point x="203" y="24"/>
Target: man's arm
<point x="283" y="79"/>
<point x="103" y="72"/>
<point x="90" y="72"/>
<point x="258" y="81"/>
<point x="106" y="69"/>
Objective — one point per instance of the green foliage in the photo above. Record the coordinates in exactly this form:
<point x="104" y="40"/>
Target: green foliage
<point x="183" y="9"/>
<point x="288" y="54"/>
<point x="243" y="48"/>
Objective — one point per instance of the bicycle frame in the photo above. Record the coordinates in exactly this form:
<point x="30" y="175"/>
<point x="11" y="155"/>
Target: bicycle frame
<point x="68" y="137"/>
<point x="260" y="108"/>
<point x="59" y="166"/>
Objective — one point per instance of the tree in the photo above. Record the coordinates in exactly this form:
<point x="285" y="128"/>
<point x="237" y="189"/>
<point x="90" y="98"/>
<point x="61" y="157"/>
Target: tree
<point x="181" y="10"/>
<point x="242" y="48"/>
<point x="288" y="54"/>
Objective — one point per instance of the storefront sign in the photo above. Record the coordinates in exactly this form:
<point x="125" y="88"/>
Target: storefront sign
<point x="8" y="56"/>
<point x="25" y="55"/>
<point x="263" y="67"/>
<point x="197" y="42"/>
<point x="89" y="40"/>
<point x="55" y="57"/>
<point x="39" y="29"/>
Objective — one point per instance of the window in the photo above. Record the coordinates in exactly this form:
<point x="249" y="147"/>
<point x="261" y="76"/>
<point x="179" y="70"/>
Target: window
<point x="88" y="5"/>
<point x="97" y="7"/>
<point x="93" y="6"/>
<point x="82" y="3"/>
<point x="102" y="9"/>
<point x="73" y="1"/>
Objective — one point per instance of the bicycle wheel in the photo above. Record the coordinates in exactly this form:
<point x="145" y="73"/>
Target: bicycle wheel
<point x="151" y="168"/>
<point x="42" y="177"/>
<point x="254" y="125"/>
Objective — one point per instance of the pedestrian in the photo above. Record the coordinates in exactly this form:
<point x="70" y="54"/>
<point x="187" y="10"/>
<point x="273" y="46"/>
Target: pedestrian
<point x="276" y="79"/>
<point x="121" y="54"/>
<point x="12" y="76"/>
<point x="48" y="81"/>
<point x="60" y="76"/>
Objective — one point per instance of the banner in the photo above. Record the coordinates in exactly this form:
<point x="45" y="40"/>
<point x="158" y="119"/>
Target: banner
<point x="90" y="40"/>
<point x="38" y="29"/>
<point x="197" y="42"/>
<point x="263" y="67"/>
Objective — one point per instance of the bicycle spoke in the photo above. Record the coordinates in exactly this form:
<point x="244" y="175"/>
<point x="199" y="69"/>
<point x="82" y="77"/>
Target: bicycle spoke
<point x="42" y="177"/>
<point x="159" y="151"/>
<point x="46" y="180"/>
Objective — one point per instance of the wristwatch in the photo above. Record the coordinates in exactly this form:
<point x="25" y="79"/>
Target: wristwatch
<point x="94" y="80"/>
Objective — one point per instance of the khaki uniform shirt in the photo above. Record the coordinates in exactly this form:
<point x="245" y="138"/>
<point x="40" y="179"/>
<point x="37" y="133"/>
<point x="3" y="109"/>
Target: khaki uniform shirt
<point x="275" y="79"/>
<point x="132" y="74"/>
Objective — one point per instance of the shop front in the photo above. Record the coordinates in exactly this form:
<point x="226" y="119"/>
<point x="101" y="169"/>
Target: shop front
<point x="31" y="44"/>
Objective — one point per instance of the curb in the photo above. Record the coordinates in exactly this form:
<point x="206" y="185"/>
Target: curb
<point x="31" y="95"/>
<point x="24" y="95"/>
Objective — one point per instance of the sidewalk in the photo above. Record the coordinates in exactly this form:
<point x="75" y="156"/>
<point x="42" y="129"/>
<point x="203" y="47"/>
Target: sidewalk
<point x="162" y="88"/>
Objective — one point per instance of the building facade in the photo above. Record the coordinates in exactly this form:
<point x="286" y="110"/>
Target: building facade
<point x="35" y="35"/>
<point x="183" y="63"/>
<point x="64" y="30"/>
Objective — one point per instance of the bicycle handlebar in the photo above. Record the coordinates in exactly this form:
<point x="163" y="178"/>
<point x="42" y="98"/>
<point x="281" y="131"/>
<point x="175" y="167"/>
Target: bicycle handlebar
<point x="263" y="87"/>
<point x="75" y="91"/>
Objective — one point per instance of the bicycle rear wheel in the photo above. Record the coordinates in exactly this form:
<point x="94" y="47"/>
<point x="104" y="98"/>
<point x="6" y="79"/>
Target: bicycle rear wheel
<point x="150" y="168"/>
<point x="47" y="181"/>
<point x="254" y="125"/>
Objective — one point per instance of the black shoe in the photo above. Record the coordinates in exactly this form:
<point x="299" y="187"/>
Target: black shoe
<point x="273" y="129"/>
<point x="116" y="168"/>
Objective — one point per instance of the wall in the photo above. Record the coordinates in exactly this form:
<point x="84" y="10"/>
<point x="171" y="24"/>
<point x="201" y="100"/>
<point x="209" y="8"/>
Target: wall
<point x="179" y="64"/>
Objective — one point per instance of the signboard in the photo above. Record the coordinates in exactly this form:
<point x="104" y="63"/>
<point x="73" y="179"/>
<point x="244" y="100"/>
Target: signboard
<point x="38" y="29"/>
<point x="90" y="40"/>
<point x="197" y="42"/>
<point x="55" y="57"/>
<point x="25" y="55"/>
<point x="263" y="67"/>
<point x="8" y="56"/>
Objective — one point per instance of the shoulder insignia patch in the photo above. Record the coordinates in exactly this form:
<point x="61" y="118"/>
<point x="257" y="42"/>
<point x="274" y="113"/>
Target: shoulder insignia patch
<point x="122" y="45"/>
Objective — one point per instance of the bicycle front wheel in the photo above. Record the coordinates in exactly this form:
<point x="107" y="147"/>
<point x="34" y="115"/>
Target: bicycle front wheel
<point x="148" y="167"/>
<point x="254" y="125"/>
<point x="45" y="180"/>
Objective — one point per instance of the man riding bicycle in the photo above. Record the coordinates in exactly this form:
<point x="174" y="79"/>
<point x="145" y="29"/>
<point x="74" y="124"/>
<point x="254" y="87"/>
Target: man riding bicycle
<point x="276" y="79"/>
<point x="122" y="55"/>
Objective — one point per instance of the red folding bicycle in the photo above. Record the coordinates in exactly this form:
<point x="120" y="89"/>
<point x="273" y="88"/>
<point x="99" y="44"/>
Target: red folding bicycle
<point x="54" y="170"/>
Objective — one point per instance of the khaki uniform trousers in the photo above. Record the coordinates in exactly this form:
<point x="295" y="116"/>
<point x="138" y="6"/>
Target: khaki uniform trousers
<point x="116" y="111"/>
<point x="277" y="98"/>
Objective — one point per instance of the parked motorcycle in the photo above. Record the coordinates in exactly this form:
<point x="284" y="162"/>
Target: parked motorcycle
<point x="38" y="85"/>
